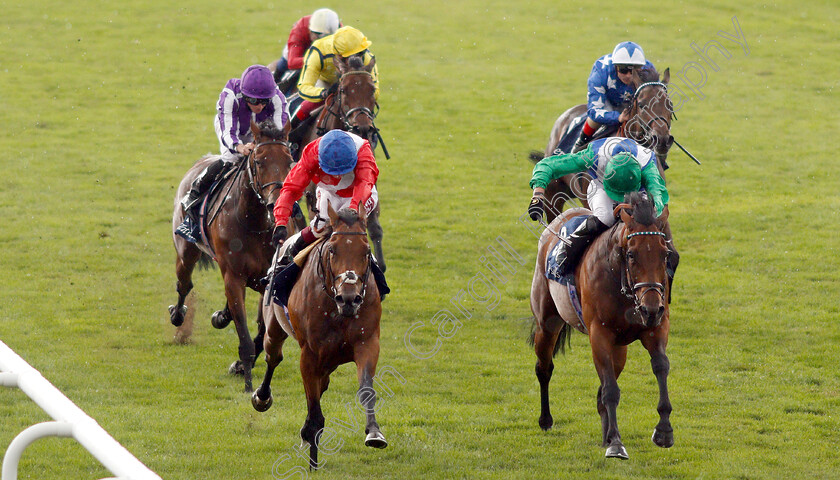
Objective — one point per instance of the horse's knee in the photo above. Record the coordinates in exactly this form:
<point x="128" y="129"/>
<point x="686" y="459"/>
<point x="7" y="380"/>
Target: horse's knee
<point x="544" y="372"/>
<point x="660" y="364"/>
<point x="610" y="395"/>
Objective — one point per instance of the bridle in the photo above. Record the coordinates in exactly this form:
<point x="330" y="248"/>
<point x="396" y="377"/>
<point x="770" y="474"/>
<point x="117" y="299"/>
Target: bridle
<point x="348" y="277"/>
<point x="635" y="108"/>
<point x="348" y="118"/>
<point x="252" y="172"/>
<point x="627" y="280"/>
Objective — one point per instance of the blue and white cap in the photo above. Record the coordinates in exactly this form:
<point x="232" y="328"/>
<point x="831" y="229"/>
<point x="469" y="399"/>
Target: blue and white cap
<point x="628" y="53"/>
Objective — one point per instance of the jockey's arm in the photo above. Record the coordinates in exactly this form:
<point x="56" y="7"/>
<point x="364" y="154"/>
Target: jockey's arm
<point x="295" y="183"/>
<point x="366" y="173"/>
<point x="596" y="98"/>
<point x="312" y="65"/>
<point x="556" y="166"/>
<point x="655" y="186"/>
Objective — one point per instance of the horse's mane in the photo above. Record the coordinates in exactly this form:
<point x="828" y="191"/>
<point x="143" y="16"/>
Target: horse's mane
<point x="269" y="129"/>
<point x="355" y="62"/>
<point x="643" y="210"/>
<point x="648" y="74"/>
<point x="348" y="216"/>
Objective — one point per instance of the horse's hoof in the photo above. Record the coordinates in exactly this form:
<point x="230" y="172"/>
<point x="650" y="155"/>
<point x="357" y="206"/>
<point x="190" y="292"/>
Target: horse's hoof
<point x="176" y="315"/>
<point x="220" y="319"/>
<point x="236" y="368"/>
<point x="616" y="451"/>
<point x="546" y="423"/>
<point x="261" y="405"/>
<point x="662" y="438"/>
<point x="376" y="440"/>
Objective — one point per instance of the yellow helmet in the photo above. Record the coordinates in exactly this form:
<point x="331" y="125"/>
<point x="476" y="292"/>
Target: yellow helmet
<point x="349" y="41"/>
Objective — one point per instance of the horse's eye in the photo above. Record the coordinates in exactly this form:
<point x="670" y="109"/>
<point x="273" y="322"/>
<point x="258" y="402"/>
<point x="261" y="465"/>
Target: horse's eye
<point x="631" y="256"/>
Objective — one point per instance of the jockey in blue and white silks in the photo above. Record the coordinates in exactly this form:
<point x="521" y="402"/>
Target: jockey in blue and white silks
<point x="610" y="88"/>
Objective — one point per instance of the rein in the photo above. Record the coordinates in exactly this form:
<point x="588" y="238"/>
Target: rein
<point x="630" y="292"/>
<point x="252" y="170"/>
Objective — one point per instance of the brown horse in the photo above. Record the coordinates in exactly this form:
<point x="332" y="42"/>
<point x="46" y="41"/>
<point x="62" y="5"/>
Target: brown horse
<point x="334" y="312"/>
<point x="352" y="108"/>
<point x="622" y="291"/>
<point x="649" y="124"/>
<point x="239" y="234"/>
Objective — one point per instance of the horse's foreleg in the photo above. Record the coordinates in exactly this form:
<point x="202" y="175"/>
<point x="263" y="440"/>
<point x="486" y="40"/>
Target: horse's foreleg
<point x="313" y="375"/>
<point x="366" y="357"/>
<point x="235" y="292"/>
<point x="258" y="339"/>
<point x="184" y="265"/>
<point x="603" y="353"/>
<point x="545" y="339"/>
<point x="273" y="342"/>
<point x="663" y="434"/>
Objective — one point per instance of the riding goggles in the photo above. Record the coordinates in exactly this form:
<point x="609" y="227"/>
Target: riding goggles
<point x="256" y="101"/>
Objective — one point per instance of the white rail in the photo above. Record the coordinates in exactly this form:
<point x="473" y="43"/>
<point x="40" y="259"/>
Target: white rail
<point x="70" y="421"/>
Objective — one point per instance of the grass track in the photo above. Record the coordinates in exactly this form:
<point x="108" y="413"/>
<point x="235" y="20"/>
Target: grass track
<point x="106" y="104"/>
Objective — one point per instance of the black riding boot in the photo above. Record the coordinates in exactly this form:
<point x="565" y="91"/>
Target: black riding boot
<point x="295" y="248"/>
<point x="671" y="263"/>
<point x="581" y="142"/>
<point x="569" y="255"/>
<point x="201" y="183"/>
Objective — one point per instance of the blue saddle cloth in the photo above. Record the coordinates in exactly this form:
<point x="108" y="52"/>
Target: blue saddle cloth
<point x="552" y="269"/>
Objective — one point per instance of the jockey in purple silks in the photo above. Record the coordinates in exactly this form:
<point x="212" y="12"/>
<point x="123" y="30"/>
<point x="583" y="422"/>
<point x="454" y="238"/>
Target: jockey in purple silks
<point x="255" y="97"/>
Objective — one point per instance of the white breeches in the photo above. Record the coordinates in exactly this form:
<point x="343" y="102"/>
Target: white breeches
<point x="325" y="198"/>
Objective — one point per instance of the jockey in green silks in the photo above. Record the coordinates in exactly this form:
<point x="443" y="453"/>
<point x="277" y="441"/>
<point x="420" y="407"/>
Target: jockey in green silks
<point x="617" y="166"/>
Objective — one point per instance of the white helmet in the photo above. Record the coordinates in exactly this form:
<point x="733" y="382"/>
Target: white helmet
<point x="628" y="53"/>
<point x="323" y="22"/>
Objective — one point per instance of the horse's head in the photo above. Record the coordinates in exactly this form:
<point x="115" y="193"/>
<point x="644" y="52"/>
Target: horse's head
<point x="347" y="263"/>
<point x="651" y="112"/>
<point x="269" y="162"/>
<point x="356" y="95"/>
<point x="645" y="252"/>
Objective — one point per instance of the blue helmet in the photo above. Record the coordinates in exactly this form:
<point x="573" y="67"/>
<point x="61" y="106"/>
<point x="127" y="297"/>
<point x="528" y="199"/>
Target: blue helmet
<point x="337" y="153"/>
<point x="258" y="82"/>
<point x="628" y="53"/>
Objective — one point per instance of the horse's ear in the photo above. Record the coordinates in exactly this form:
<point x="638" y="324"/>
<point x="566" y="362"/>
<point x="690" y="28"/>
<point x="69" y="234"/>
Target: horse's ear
<point x="666" y="76"/>
<point x="255" y="129"/>
<point x="333" y="216"/>
<point x="369" y="66"/>
<point x="340" y="64"/>
<point x="362" y="215"/>
<point x="662" y="219"/>
<point x="626" y="215"/>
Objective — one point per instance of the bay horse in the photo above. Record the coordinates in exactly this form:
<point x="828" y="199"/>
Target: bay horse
<point x="352" y="108"/>
<point x="239" y="234"/>
<point x="621" y="281"/>
<point x="649" y="124"/>
<point x="334" y="312"/>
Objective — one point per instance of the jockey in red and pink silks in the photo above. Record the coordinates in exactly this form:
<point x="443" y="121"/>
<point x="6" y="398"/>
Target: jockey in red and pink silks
<point x="344" y="171"/>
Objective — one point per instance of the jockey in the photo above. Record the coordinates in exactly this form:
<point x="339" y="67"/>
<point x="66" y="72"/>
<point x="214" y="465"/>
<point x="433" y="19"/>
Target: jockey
<point x="321" y="23"/>
<point x="344" y="171"/>
<point x="319" y="74"/>
<point x="253" y="97"/>
<point x="610" y="88"/>
<point x="617" y="166"/>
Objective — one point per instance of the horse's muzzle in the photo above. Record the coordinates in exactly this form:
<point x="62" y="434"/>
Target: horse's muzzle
<point x="651" y="315"/>
<point x="348" y="303"/>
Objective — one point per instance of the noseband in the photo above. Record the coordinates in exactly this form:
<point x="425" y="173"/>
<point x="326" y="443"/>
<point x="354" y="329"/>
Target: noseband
<point x="630" y="292"/>
<point x="353" y="113"/>
<point x="252" y="171"/>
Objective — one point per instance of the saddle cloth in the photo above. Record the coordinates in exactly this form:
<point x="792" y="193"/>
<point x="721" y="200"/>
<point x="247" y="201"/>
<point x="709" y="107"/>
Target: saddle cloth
<point x="563" y="288"/>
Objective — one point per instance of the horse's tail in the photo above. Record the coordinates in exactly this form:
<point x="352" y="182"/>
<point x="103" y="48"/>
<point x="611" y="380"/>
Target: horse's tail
<point x="535" y="156"/>
<point x="205" y="262"/>
<point x="563" y="338"/>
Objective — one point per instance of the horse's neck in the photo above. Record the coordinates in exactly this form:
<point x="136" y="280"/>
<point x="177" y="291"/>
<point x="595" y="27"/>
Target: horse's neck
<point x="605" y="245"/>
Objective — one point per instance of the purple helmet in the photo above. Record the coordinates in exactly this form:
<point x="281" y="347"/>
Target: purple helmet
<point x="258" y="82"/>
<point x="337" y="153"/>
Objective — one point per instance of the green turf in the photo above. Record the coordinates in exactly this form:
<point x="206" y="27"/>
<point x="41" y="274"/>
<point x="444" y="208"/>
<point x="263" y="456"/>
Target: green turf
<point x="106" y="104"/>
